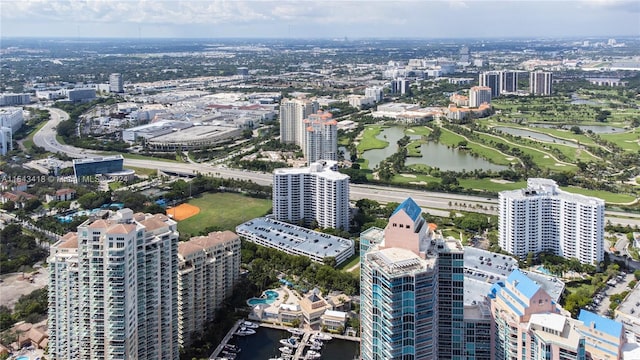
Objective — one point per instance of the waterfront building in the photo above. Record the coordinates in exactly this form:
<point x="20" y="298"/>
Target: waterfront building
<point x="296" y="240"/>
<point x="116" y="84"/>
<point x="316" y="193"/>
<point x="491" y="79"/>
<point x="544" y="218"/>
<point x="113" y="289"/>
<point x="411" y="291"/>
<point x="479" y="95"/>
<point x="8" y="99"/>
<point x="320" y="137"/>
<point x="541" y="83"/>
<point x="292" y="115"/>
<point x="209" y="268"/>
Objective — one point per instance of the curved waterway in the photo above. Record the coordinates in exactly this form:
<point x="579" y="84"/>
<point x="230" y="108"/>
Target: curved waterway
<point x="433" y="153"/>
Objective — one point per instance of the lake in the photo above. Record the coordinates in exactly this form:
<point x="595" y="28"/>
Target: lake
<point x="433" y="153"/>
<point x="598" y="129"/>
<point x="534" y="135"/>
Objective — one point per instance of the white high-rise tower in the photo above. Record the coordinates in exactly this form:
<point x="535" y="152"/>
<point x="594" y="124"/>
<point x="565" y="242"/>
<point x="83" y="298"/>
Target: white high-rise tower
<point x="113" y="289"/>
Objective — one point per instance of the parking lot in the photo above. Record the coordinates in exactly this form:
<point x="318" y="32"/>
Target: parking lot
<point x="601" y="299"/>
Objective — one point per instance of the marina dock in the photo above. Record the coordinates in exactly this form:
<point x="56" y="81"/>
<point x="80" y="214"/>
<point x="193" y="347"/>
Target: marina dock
<point x="226" y="339"/>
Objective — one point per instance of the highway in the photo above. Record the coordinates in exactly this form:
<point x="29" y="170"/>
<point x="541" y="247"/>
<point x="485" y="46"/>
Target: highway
<point x="435" y="202"/>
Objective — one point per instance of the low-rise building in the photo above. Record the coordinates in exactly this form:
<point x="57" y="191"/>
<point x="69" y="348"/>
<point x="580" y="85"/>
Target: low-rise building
<point x="65" y="194"/>
<point x="296" y="240"/>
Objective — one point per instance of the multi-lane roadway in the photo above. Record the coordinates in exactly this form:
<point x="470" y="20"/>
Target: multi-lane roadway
<point x="437" y="203"/>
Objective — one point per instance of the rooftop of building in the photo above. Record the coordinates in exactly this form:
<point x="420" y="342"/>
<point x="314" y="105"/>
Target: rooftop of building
<point x="98" y="159"/>
<point x="523" y="284"/>
<point x="195" y="133"/>
<point x="487" y="266"/>
<point x="199" y="243"/>
<point x="323" y="168"/>
<point x="630" y="306"/>
<point x="538" y="187"/>
<point x="410" y="207"/>
<point x="600" y="323"/>
<point x="397" y="261"/>
<point x="290" y="236"/>
<point x="555" y="328"/>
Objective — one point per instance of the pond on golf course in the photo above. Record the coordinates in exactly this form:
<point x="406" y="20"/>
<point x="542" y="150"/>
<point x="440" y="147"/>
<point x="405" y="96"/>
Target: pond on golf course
<point x="433" y="153"/>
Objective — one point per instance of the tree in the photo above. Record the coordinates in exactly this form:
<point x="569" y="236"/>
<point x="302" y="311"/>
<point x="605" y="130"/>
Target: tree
<point x="9" y="205"/>
<point x="330" y="261"/>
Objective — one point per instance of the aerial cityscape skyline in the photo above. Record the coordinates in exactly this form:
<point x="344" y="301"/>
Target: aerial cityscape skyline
<point x="315" y="19"/>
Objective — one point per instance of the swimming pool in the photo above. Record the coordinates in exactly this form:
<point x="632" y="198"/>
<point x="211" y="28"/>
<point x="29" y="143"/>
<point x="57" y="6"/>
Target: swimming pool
<point x="543" y="270"/>
<point x="271" y="296"/>
<point x="23" y="358"/>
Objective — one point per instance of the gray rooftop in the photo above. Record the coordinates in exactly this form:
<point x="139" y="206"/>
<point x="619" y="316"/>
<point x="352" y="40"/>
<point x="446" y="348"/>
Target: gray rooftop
<point x="289" y="236"/>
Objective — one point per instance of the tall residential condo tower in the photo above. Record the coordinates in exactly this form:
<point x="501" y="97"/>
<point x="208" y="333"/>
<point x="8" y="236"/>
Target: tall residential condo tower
<point x="320" y="137"/>
<point x="544" y="218"/>
<point x="411" y="291"/>
<point x="541" y="83"/>
<point x="317" y="193"/>
<point x="209" y="269"/>
<point x="292" y="115"/>
<point x="113" y="289"/>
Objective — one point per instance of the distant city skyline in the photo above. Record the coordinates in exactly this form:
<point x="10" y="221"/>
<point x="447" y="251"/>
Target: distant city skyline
<point x="319" y="19"/>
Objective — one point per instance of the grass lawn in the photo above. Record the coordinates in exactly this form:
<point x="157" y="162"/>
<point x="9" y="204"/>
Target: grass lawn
<point x="604" y="195"/>
<point x="418" y="130"/>
<point x="369" y="140"/>
<point x="629" y="141"/>
<point x="488" y="185"/>
<point x="573" y="287"/>
<point x="352" y="261"/>
<point x="28" y="142"/>
<point x="223" y="210"/>
<point x="115" y="185"/>
<point x="143" y="157"/>
<point x="413" y="149"/>
<point x="143" y="171"/>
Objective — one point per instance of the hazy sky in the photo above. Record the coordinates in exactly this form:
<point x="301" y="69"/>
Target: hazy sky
<point x="318" y="19"/>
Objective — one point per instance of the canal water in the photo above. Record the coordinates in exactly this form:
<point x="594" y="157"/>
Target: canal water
<point x="433" y="154"/>
<point x="535" y="135"/>
<point x="265" y="343"/>
<point x="597" y="129"/>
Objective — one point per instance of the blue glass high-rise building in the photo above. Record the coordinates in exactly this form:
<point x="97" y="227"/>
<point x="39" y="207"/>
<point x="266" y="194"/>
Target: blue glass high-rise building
<point x="411" y="291"/>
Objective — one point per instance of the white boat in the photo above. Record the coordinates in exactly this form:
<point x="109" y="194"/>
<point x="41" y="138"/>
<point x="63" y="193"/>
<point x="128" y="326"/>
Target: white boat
<point x="249" y="324"/>
<point x="243" y="331"/>
<point x="290" y="342"/>
<point x="298" y="332"/>
<point x="321" y="336"/>
<point x="286" y="350"/>
<point x="312" y="355"/>
<point x="316" y="347"/>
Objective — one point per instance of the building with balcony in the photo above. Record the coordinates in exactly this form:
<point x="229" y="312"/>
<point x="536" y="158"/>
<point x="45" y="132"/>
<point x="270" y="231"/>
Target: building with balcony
<point x="113" y="289"/>
<point x="541" y="83"/>
<point x="292" y="115"/>
<point x="320" y="137"/>
<point x="209" y="268"/>
<point x="479" y="95"/>
<point x="544" y="218"/>
<point x="411" y="291"/>
<point x="314" y="194"/>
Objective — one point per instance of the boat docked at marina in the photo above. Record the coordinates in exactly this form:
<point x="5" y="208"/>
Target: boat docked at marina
<point x="249" y="324"/>
<point x="290" y="342"/>
<point x="286" y="350"/>
<point x="243" y="331"/>
<point x="312" y="355"/>
<point x="298" y="332"/>
<point x="321" y="336"/>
